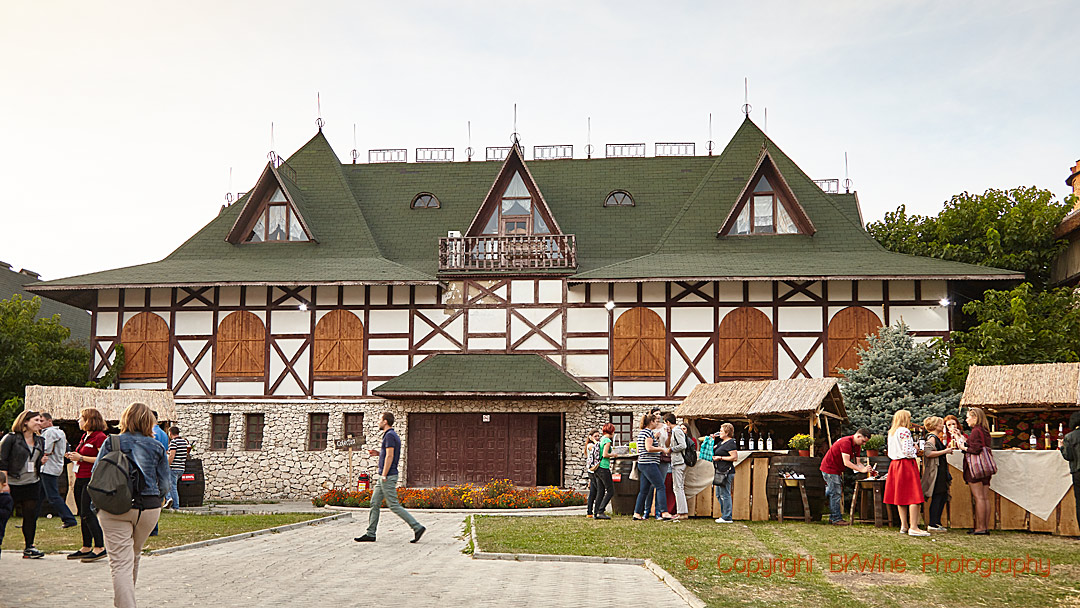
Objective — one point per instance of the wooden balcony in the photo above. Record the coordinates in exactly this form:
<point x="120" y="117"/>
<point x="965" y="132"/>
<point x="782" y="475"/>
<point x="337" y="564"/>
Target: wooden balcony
<point x="508" y="253"/>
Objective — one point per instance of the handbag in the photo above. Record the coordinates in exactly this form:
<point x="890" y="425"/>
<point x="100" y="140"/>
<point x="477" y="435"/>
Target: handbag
<point x="981" y="465"/>
<point x="634" y="472"/>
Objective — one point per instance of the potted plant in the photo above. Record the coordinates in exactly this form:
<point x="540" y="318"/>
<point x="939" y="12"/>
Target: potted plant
<point x="873" y="445"/>
<point x="801" y="443"/>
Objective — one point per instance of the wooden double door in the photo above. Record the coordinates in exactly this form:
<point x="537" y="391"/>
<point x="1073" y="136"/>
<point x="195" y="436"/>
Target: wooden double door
<point x="453" y="449"/>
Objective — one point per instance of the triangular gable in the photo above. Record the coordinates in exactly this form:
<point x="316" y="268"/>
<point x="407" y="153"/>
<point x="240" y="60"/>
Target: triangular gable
<point x="767" y="178"/>
<point x="514" y="180"/>
<point x="271" y="187"/>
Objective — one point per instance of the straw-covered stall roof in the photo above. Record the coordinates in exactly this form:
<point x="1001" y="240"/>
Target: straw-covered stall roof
<point x="1038" y="385"/>
<point x="65" y="402"/>
<point x="763" y="399"/>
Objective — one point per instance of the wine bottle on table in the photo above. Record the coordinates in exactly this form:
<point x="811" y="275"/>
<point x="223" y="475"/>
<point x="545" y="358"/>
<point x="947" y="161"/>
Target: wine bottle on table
<point x="1033" y="441"/>
<point x="742" y="441"/>
<point x="768" y="444"/>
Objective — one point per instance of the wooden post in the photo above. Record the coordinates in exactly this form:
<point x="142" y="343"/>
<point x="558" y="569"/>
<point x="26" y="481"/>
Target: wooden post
<point x="828" y="431"/>
<point x="349" y="485"/>
<point x="812" y="420"/>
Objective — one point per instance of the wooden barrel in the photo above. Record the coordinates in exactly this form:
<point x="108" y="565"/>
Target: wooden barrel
<point x="192" y="492"/>
<point x="626" y="490"/>
<point x="814" y="483"/>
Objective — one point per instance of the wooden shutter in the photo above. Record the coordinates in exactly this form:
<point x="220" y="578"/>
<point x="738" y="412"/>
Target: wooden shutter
<point x="241" y="346"/>
<point x="640" y="343"/>
<point x="146" y="347"/>
<point x="339" y="345"/>
<point x="746" y="345"/>
<point x="847" y="334"/>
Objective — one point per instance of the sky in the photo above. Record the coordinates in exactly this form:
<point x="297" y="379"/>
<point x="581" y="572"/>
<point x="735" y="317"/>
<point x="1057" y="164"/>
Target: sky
<point x="124" y="124"/>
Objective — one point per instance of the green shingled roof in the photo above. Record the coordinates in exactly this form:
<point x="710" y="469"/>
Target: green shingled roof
<point x="483" y="375"/>
<point x="367" y="232"/>
<point x="75" y="319"/>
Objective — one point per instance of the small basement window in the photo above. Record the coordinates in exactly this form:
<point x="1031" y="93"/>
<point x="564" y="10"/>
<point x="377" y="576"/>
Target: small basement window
<point x="619" y="198"/>
<point x="425" y="200"/>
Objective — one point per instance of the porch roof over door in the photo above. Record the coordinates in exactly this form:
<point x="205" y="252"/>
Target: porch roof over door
<point x="484" y="375"/>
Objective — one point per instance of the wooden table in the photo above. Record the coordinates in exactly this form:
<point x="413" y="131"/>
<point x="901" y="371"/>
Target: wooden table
<point x="789" y="483"/>
<point x="876" y="490"/>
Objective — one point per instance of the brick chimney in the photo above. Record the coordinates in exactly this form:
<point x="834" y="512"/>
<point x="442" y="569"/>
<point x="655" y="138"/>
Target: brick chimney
<point x="1074" y="181"/>
<point x="30" y="273"/>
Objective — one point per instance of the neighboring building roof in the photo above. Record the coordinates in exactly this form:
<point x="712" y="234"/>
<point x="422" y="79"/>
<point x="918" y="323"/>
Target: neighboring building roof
<point x="368" y="232"/>
<point x="65" y="402"/>
<point x="75" y="319"/>
<point x="763" y="399"/>
<point x="487" y="375"/>
<point x="1039" y="385"/>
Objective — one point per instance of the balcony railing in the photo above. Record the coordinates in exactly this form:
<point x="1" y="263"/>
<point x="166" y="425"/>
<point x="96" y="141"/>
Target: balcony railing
<point x="508" y="253"/>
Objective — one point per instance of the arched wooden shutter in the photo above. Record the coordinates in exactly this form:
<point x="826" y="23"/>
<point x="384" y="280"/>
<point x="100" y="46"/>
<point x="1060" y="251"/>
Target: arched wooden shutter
<point x="241" y="346"/>
<point x="847" y="334"/>
<point x="339" y="345"/>
<point x="746" y="345"/>
<point x="640" y="342"/>
<point x="146" y="347"/>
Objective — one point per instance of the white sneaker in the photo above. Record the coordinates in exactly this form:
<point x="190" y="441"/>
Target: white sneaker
<point x="917" y="532"/>
<point x="724" y="521"/>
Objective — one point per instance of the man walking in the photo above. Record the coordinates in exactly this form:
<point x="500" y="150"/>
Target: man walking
<point x="386" y="487"/>
<point x="842" y="455"/>
<point x="55" y="448"/>
<point x="178" y="453"/>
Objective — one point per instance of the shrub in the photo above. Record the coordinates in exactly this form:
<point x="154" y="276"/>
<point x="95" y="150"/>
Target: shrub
<point x="496" y="494"/>
<point x="875" y="442"/>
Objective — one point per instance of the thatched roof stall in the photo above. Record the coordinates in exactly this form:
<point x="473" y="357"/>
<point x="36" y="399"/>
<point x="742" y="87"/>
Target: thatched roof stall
<point x="1034" y="387"/>
<point x="65" y="402"/>
<point x="798" y="400"/>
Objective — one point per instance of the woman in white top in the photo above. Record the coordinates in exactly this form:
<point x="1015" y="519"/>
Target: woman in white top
<point x="903" y="487"/>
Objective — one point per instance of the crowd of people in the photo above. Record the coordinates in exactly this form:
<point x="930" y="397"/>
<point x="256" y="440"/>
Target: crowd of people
<point x="32" y="459"/>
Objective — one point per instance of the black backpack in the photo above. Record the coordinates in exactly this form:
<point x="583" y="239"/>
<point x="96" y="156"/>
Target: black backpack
<point x="116" y="480"/>
<point x="690" y="453"/>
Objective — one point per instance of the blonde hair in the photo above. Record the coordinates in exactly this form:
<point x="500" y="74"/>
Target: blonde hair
<point x="933" y="423"/>
<point x="728" y="429"/>
<point x="980" y="417"/>
<point x="137" y="418"/>
<point x="19" y="425"/>
<point x="902" y="418"/>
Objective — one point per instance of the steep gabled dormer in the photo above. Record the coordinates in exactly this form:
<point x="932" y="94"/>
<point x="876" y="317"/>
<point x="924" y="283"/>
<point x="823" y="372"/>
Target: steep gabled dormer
<point x="513" y="205"/>
<point x="766" y="205"/>
<point x="271" y="213"/>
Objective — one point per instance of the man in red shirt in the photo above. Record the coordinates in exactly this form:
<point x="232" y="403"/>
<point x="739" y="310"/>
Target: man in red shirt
<point x="843" y="454"/>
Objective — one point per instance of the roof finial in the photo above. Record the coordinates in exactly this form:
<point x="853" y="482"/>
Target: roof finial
<point x="355" y="153"/>
<point x="746" y="97"/>
<point x="318" y="109"/>
<point x="588" y="139"/>
<point x="847" y="182"/>
<point x="228" y="193"/>
<point x="272" y="155"/>
<point x="515" y="139"/>
<point x="469" y="150"/>
<point x="709" y="144"/>
<point x="766" y="120"/>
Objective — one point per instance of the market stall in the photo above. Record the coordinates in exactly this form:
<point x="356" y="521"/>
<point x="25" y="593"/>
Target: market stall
<point x="1032" y="489"/>
<point x="65" y="402"/>
<point x="773" y="410"/>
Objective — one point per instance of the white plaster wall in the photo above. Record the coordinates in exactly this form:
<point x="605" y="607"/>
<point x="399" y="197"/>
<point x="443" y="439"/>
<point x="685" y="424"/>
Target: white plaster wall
<point x="194" y="323"/>
<point x="587" y="365"/>
<point x="869" y="290"/>
<point x="486" y="320"/>
<point x="338" y="387"/>
<point x="625" y="388"/>
<point x="654" y="292"/>
<point x="730" y="291"/>
<point x="840" y="290"/>
<point x="793" y="318"/>
<point x="353" y="295"/>
<point x="487" y="344"/>
<point x="550" y="292"/>
<point x="109" y="297"/>
<point x="901" y="290"/>
<point x="934" y="290"/>
<point x="160" y="296"/>
<point x="388" y="321"/>
<point x="522" y="292"/>
<point x="389" y="344"/>
<point x="387" y="365"/>
<point x="575" y="293"/>
<point x="587" y="319"/>
<point x="106" y="324"/>
<point x="239" y="388"/>
<point x="760" y="290"/>
<point x="625" y="292"/>
<point x="922" y="318"/>
<point x="692" y="319"/>
<point x="586" y="343"/>
<point x="427" y="294"/>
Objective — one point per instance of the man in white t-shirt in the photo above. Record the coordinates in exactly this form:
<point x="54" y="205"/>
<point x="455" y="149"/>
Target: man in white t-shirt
<point x="55" y="447"/>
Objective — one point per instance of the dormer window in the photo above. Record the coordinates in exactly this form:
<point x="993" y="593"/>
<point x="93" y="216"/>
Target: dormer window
<point x="425" y="200"/>
<point x="619" y="198"/>
<point x="516" y="214"/>
<point x="277" y="222"/>
<point x="767" y="206"/>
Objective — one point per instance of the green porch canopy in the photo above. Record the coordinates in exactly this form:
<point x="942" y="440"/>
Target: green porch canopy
<point x="484" y="375"/>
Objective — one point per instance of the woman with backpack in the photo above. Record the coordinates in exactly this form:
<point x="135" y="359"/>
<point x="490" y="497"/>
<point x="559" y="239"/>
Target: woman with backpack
<point x="126" y="532"/>
<point x="22" y="452"/>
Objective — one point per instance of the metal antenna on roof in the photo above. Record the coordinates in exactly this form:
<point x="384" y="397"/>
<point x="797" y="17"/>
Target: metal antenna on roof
<point x="746" y="97"/>
<point x="588" y="140"/>
<point x="469" y="150"/>
<point x="766" y="120"/>
<point x="228" y="193"/>
<point x="318" y="109"/>
<point x="709" y="144"/>
<point x="515" y="139"/>
<point x="272" y="156"/>
<point x="355" y="154"/>
<point x="847" y="182"/>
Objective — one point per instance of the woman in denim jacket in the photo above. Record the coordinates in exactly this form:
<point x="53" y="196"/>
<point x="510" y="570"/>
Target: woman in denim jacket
<point x="125" y="534"/>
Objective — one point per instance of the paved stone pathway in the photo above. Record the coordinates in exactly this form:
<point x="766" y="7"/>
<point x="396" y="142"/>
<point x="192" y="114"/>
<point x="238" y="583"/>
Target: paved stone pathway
<point x="321" y="565"/>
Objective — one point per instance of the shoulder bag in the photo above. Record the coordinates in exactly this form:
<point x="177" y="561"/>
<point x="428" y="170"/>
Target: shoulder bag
<point x="981" y="465"/>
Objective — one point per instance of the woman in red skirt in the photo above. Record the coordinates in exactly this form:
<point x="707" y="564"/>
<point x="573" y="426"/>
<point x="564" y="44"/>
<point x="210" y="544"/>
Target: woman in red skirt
<point x="903" y="487"/>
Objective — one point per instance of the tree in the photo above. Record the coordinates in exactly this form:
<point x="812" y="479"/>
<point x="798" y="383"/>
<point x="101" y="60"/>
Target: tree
<point x="1011" y="229"/>
<point x="34" y="351"/>
<point x="895" y="373"/>
<point x="1021" y="325"/>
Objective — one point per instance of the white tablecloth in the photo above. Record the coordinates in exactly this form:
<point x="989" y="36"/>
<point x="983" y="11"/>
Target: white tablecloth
<point x="1036" y="480"/>
<point x="700" y="476"/>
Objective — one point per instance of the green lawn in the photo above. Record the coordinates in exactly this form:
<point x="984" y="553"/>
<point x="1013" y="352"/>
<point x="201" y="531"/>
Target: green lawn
<point x="698" y="542"/>
<point x="174" y="529"/>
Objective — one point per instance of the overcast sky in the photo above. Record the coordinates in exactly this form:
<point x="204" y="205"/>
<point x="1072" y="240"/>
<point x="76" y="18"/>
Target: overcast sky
<point x="120" y="121"/>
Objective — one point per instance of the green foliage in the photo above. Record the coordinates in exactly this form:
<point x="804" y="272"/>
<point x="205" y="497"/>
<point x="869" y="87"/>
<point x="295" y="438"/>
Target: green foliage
<point x="875" y="442"/>
<point x="34" y="351"/>
<point x="1021" y="325"/>
<point x="110" y="376"/>
<point x="1012" y="229"/>
<point x="897" y="373"/>
<point x="800" y="442"/>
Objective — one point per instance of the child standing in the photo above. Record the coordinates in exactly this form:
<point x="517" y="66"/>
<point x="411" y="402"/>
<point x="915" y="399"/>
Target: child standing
<point x="7" y="505"/>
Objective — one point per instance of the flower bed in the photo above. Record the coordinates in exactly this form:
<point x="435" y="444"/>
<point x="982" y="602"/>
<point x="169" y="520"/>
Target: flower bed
<point x="496" y="494"/>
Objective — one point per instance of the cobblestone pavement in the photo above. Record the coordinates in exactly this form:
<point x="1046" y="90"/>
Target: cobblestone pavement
<point x="322" y="565"/>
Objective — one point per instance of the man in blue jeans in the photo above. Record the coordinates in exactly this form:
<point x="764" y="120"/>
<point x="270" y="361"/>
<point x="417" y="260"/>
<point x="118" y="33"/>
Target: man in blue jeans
<point x="55" y="447"/>
<point x="177" y="453"/>
<point x="842" y="455"/>
<point x="386" y="487"/>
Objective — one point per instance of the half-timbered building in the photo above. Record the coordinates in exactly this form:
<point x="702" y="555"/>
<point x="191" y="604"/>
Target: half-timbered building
<point x="499" y="309"/>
